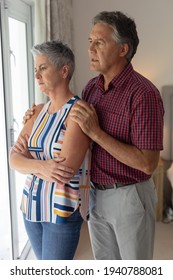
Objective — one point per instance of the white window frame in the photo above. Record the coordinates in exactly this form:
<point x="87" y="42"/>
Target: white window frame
<point x="17" y="10"/>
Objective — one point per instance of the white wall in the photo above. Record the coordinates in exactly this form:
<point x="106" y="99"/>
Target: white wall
<point x="154" y="20"/>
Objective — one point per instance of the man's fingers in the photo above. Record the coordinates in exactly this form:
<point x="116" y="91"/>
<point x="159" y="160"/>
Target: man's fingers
<point x="82" y="109"/>
<point x="27" y="116"/>
<point x="82" y="103"/>
<point x="29" y="113"/>
<point x="33" y="105"/>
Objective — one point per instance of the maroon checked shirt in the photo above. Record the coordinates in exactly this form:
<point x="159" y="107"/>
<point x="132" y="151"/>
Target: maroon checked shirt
<point x="130" y="110"/>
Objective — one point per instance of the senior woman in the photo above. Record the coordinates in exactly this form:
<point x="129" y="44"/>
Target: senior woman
<point x="53" y="212"/>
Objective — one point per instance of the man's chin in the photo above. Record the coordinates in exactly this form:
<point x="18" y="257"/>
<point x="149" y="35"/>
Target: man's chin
<point x="93" y="68"/>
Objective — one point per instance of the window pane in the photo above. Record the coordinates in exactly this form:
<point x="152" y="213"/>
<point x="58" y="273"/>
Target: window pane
<point x="20" y="102"/>
<point x="5" y="228"/>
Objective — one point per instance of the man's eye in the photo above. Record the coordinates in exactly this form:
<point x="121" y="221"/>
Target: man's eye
<point x="99" y="43"/>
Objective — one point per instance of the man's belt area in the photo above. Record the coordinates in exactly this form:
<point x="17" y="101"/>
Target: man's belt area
<point x="108" y="187"/>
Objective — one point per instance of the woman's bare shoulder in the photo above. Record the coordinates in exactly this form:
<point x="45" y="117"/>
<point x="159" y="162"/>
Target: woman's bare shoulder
<point x="39" y="107"/>
<point x="37" y="110"/>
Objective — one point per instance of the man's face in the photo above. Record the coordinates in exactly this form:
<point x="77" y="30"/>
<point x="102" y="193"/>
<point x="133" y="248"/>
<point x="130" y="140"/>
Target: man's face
<point x="104" y="53"/>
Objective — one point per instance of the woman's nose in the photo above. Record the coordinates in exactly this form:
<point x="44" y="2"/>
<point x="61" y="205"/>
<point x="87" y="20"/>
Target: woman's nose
<point x="37" y="74"/>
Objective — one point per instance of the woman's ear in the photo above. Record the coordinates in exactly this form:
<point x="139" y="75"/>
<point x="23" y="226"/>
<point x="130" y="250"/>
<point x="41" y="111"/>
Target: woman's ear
<point x="65" y="71"/>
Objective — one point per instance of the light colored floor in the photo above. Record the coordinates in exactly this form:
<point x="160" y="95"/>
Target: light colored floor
<point x="163" y="243"/>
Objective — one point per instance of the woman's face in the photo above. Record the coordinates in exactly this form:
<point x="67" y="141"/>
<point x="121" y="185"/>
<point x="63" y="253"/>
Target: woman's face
<point x="47" y="75"/>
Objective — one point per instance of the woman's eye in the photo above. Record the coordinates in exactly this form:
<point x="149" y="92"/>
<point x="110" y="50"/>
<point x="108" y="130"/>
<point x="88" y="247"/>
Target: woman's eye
<point x="42" y="68"/>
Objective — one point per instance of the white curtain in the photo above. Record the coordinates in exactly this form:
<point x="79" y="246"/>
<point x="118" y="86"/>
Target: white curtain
<point x="59" y="24"/>
<point x="53" y="20"/>
<point x="39" y="37"/>
<point x="167" y="97"/>
<point x="59" y="20"/>
<point x="39" y="21"/>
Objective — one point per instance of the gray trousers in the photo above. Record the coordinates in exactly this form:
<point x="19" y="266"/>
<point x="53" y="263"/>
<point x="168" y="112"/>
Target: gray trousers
<point x="122" y="222"/>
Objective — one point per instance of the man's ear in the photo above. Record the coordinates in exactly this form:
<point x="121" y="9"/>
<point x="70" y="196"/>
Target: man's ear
<point x="124" y="49"/>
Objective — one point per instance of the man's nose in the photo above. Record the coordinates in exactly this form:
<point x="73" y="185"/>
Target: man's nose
<point x="91" y="47"/>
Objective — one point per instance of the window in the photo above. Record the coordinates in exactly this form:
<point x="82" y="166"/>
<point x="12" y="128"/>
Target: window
<point x="5" y="230"/>
<point x="16" y="95"/>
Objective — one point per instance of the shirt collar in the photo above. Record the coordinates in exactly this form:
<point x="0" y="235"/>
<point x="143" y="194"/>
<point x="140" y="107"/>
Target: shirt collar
<point x="118" y="80"/>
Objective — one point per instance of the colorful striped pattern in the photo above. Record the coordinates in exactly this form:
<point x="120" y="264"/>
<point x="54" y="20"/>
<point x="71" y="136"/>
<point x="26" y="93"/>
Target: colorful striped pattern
<point x="46" y="201"/>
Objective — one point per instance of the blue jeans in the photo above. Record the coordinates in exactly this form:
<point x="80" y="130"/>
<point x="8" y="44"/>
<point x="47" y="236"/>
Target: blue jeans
<point x="55" y="241"/>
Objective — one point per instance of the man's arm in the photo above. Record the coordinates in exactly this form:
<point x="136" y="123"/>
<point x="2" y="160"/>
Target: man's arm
<point x="86" y="117"/>
<point x="75" y="145"/>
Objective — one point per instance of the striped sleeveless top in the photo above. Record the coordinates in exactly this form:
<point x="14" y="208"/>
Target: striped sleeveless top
<point x="44" y="201"/>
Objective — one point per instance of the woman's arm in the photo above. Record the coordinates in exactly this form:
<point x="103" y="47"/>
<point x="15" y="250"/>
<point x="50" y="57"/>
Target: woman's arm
<point x="20" y="159"/>
<point x="49" y="170"/>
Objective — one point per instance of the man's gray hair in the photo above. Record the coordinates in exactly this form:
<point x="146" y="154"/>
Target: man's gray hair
<point x="58" y="53"/>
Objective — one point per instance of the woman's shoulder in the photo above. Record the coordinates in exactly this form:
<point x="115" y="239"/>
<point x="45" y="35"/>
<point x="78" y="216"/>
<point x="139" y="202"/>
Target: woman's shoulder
<point x="39" y="107"/>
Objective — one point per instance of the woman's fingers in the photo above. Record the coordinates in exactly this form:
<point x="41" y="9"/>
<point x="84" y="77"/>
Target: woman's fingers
<point x="62" y="168"/>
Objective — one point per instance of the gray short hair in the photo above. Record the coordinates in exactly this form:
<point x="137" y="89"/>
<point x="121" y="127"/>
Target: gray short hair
<point x="58" y="53"/>
<point x="124" y="29"/>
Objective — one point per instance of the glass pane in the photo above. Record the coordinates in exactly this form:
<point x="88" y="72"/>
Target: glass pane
<point x="5" y="228"/>
<point x="20" y="102"/>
